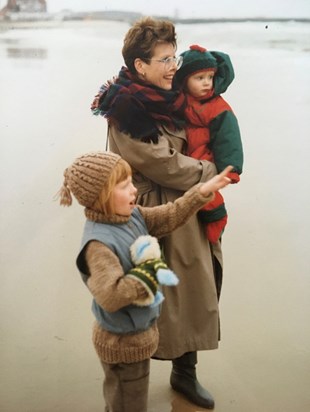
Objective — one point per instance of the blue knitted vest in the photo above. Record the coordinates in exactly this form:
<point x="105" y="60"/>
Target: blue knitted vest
<point x="118" y="237"/>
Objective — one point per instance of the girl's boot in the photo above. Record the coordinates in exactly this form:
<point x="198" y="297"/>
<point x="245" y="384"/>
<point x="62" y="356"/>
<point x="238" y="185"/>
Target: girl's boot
<point x="183" y="379"/>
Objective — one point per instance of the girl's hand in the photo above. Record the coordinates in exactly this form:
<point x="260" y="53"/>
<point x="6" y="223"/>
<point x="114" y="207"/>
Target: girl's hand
<point x="217" y="182"/>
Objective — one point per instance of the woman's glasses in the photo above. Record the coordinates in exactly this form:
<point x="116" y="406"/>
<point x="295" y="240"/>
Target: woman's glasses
<point x="169" y="62"/>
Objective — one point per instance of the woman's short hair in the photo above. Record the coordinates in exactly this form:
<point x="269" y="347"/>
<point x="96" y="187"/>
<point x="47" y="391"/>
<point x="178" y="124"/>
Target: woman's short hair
<point x="143" y="36"/>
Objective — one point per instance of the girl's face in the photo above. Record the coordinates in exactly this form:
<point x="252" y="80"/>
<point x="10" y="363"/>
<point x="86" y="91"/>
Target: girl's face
<point x="160" y="69"/>
<point x="200" y="83"/>
<point x="123" y="197"/>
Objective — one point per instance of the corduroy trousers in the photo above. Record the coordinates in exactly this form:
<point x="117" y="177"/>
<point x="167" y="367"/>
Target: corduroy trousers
<point x="125" y="386"/>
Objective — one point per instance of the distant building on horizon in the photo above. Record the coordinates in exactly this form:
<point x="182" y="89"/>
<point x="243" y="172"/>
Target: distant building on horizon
<point x="24" y="6"/>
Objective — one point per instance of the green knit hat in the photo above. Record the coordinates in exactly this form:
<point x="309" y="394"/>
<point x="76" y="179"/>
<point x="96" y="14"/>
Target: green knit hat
<point x="194" y="60"/>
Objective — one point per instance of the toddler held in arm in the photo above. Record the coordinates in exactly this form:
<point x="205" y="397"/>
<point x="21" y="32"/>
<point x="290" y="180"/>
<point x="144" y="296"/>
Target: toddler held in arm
<point x="211" y="126"/>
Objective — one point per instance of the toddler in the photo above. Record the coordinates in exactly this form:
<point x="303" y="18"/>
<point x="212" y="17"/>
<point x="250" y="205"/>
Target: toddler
<point x="212" y="128"/>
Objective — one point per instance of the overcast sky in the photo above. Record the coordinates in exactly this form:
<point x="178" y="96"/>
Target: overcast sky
<point x="190" y="8"/>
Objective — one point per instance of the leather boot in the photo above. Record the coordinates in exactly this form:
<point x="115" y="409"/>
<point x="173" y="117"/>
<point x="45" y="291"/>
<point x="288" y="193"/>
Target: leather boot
<point x="183" y="379"/>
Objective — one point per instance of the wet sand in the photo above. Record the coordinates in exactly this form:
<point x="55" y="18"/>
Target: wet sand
<point x="47" y="81"/>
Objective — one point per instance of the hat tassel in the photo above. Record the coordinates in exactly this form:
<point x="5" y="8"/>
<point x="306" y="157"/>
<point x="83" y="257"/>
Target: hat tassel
<point x="64" y="194"/>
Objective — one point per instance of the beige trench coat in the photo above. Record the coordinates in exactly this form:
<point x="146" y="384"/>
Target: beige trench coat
<point x="189" y="320"/>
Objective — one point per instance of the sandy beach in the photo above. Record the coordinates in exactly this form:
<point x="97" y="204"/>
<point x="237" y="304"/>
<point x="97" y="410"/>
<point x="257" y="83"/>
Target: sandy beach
<point x="48" y="77"/>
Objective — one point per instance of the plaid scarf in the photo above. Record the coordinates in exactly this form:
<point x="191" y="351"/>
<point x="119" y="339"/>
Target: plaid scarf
<point x="139" y="109"/>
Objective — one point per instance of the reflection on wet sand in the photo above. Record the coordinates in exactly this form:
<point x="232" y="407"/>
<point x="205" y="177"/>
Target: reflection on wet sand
<point x="9" y="41"/>
<point x="180" y="404"/>
<point x="26" y="53"/>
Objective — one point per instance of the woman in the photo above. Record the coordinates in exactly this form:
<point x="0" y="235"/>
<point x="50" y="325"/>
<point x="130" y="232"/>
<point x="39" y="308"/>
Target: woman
<point x="146" y="128"/>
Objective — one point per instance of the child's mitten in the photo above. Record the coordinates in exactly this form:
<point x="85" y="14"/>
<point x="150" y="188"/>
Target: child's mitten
<point x="234" y="176"/>
<point x="148" y="279"/>
<point x="214" y="215"/>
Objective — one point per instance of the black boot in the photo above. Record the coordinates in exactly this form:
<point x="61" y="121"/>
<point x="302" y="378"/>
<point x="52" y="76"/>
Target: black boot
<point x="183" y="379"/>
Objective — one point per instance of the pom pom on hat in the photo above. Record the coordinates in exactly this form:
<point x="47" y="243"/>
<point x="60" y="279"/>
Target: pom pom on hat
<point x="198" y="48"/>
<point x="195" y="59"/>
<point x="86" y="177"/>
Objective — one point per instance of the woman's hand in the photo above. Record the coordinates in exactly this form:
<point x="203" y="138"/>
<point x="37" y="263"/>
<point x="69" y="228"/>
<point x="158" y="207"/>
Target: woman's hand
<point x="217" y="182"/>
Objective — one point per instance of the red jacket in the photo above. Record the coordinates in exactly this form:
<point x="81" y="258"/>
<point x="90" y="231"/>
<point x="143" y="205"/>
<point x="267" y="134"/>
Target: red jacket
<point x="213" y="132"/>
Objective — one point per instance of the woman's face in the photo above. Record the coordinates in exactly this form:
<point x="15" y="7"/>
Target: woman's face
<point x="158" y="70"/>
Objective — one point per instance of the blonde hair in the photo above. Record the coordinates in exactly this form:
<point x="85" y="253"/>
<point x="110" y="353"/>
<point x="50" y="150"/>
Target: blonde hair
<point x="120" y="172"/>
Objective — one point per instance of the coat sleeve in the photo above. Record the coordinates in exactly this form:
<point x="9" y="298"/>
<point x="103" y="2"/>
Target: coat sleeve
<point x="161" y="162"/>
<point x="225" y="142"/>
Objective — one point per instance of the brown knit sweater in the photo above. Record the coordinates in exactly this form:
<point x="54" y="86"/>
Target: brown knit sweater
<point x="113" y="290"/>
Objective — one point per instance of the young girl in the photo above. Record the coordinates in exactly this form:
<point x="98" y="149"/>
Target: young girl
<point x="125" y="333"/>
<point x="212" y="128"/>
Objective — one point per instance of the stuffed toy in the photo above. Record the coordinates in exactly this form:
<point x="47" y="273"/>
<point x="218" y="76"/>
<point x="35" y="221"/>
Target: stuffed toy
<point x="150" y="269"/>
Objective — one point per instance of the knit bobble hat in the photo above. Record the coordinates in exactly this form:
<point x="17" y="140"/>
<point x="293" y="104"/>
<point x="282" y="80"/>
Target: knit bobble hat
<point x="86" y="177"/>
<point x="194" y="60"/>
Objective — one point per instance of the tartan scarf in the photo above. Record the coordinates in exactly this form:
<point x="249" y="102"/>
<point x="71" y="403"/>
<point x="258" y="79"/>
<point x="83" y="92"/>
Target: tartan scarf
<point x="139" y="109"/>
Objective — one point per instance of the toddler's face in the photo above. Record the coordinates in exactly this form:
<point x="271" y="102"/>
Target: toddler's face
<point x="123" y="197"/>
<point x="200" y="83"/>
